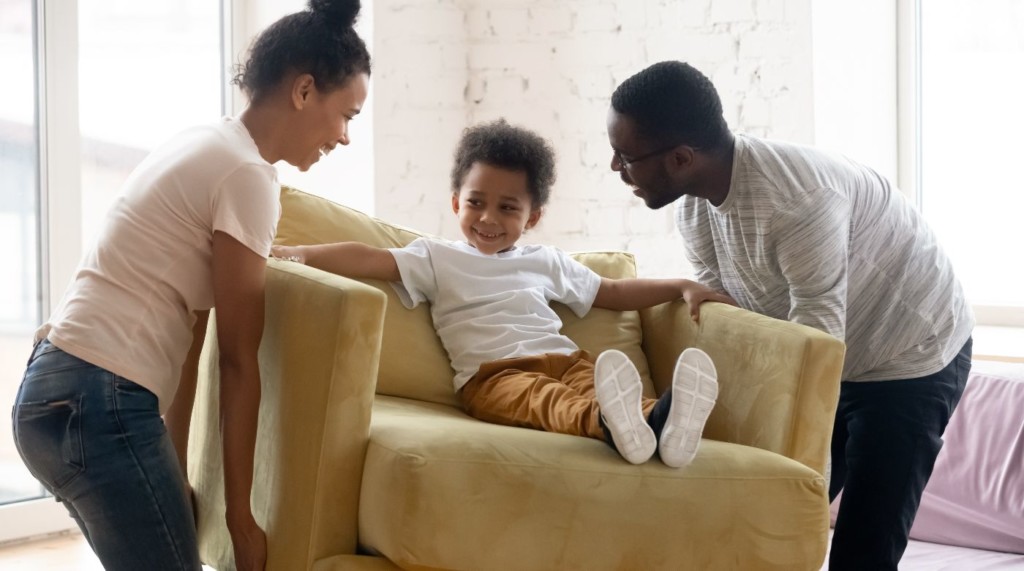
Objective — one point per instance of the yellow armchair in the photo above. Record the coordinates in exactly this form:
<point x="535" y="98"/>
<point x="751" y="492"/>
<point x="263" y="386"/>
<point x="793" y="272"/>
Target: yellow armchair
<point x="365" y="460"/>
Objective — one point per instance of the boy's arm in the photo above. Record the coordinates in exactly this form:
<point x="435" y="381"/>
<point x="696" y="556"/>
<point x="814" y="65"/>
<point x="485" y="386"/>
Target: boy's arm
<point x="349" y="259"/>
<point x="634" y="293"/>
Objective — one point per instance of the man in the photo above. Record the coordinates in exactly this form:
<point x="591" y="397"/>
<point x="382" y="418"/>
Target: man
<point x="795" y="233"/>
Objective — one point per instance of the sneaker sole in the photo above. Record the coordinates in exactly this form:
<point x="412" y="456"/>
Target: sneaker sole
<point x="694" y="391"/>
<point x="619" y="394"/>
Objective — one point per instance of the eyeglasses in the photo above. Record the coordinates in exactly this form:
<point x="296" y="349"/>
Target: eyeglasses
<point x="625" y="163"/>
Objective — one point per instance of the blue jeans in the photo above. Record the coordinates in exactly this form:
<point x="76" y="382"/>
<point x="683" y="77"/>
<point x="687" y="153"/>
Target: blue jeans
<point x="884" y="444"/>
<point x="97" y="443"/>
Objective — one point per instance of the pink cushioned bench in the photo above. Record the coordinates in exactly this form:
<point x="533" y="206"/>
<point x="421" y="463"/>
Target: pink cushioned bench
<point x="975" y="498"/>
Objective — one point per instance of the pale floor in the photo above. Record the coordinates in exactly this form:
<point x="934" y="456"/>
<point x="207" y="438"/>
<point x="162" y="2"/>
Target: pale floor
<point x="70" y="552"/>
<point x="66" y="552"/>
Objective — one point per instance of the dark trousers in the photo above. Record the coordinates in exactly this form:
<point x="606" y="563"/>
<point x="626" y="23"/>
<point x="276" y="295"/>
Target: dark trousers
<point x="886" y="438"/>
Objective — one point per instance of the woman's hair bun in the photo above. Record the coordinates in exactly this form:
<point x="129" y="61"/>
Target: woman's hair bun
<point x="336" y="12"/>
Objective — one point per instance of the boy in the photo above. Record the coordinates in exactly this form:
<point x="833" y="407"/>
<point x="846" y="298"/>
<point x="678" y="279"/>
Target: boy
<point x="490" y="305"/>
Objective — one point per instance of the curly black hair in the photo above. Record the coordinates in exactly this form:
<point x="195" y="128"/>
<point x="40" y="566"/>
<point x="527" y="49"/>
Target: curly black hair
<point x="674" y="103"/>
<point x="502" y="145"/>
<point x="319" y="41"/>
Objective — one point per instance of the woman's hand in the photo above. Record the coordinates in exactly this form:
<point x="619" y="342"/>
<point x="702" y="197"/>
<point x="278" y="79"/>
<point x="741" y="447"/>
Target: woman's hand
<point x="695" y="294"/>
<point x="250" y="544"/>
<point x="290" y="253"/>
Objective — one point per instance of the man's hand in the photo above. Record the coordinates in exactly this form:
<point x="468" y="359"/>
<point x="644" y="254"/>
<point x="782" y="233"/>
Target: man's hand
<point x="695" y="294"/>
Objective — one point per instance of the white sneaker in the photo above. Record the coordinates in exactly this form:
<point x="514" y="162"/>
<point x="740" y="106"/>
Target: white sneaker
<point x="694" y="390"/>
<point x="619" y="393"/>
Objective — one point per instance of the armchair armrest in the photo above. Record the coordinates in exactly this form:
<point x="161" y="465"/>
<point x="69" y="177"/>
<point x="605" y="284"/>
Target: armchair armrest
<point x="318" y="368"/>
<point x="778" y="381"/>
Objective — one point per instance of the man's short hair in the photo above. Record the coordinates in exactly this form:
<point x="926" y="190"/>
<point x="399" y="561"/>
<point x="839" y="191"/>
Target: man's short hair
<point x="673" y="102"/>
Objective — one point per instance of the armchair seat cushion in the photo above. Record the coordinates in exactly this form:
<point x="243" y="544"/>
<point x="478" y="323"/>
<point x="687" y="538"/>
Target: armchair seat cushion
<point x="443" y="490"/>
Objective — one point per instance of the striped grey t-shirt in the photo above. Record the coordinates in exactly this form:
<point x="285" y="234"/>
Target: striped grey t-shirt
<point x="820" y="240"/>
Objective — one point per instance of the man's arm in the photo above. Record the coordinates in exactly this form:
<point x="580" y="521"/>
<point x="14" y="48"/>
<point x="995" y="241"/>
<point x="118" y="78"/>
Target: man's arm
<point x="349" y="259"/>
<point x="238" y="285"/>
<point x="633" y="293"/>
<point x="699" y="244"/>
<point x="812" y="245"/>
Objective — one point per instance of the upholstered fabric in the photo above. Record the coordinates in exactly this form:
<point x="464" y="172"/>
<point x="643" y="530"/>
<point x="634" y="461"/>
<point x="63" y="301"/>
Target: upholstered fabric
<point x="354" y="563"/>
<point x="442" y="490"/>
<point x="413" y="361"/>
<point x="975" y="497"/>
<point x="317" y="366"/>
<point x="758" y="491"/>
<point x="778" y="381"/>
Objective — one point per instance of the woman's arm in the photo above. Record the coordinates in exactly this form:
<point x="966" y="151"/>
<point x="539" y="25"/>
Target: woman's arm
<point x="349" y="259"/>
<point x="238" y="288"/>
<point x="179" y="415"/>
<point x="634" y="293"/>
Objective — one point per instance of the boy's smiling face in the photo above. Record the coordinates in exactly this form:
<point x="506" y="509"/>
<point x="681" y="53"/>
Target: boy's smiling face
<point x="494" y="207"/>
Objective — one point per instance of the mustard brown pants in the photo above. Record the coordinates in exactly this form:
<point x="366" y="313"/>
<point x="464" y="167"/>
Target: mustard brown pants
<point x="549" y="392"/>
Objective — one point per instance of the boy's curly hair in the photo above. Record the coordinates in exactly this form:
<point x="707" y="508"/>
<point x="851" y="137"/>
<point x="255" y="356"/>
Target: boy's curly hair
<point x="514" y="148"/>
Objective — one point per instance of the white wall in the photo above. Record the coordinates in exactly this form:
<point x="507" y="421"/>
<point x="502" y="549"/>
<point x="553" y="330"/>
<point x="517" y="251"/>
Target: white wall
<point x="441" y="65"/>
<point x="855" y="81"/>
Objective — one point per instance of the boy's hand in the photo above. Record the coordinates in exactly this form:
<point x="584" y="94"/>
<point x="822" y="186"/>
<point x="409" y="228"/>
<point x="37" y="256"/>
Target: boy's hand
<point x="290" y="253"/>
<point x="695" y="294"/>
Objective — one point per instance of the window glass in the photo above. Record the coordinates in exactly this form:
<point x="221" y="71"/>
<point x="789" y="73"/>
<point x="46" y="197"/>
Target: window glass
<point x="147" y="70"/>
<point x="20" y="299"/>
<point x="971" y="120"/>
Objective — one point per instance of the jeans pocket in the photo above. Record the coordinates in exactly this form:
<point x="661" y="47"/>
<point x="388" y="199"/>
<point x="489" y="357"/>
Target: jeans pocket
<point x="49" y="439"/>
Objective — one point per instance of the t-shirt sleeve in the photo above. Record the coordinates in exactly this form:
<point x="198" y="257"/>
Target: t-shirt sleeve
<point x="247" y="207"/>
<point x="692" y="221"/>
<point x="575" y="285"/>
<point x="416" y="268"/>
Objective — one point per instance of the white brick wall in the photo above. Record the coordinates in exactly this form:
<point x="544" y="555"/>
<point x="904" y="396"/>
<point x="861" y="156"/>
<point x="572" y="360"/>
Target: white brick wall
<point x="551" y="66"/>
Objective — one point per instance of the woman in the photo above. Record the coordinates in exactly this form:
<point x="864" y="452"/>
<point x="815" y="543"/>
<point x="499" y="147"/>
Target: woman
<point x="191" y="231"/>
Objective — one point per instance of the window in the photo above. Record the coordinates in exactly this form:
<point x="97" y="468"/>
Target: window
<point x="967" y="147"/>
<point x="145" y="70"/>
<point x="926" y="92"/>
<point x="20" y="291"/>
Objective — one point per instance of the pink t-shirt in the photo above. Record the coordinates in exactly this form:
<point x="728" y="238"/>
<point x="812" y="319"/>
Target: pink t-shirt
<point x="129" y="308"/>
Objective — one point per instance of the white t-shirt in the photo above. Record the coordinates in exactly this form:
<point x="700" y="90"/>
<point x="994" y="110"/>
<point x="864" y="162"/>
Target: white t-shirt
<point x="491" y="307"/>
<point x="820" y="240"/>
<point x="129" y="308"/>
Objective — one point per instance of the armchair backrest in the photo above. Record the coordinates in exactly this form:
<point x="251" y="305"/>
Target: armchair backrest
<point x="413" y="362"/>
